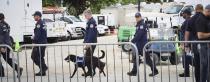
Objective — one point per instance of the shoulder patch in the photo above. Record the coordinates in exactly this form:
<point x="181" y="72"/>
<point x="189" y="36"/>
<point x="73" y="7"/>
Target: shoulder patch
<point x="141" y="27"/>
<point x="91" y="26"/>
<point x="45" y="27"/>
<point x="38" y="26"/>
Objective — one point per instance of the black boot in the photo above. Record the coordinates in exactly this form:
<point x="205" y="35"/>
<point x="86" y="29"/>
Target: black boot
<point x="43" y="72"/>
<point x="2" y="74"/>
<point x="19" y="74"/>
<point x="131" y="73"/>
<point x="154" y="73"/>
<point x="184" y="75"/>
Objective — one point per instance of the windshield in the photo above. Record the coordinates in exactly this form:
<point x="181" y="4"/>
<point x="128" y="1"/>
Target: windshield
<point x="175" y="9"/>
<point x="75" y="19"/>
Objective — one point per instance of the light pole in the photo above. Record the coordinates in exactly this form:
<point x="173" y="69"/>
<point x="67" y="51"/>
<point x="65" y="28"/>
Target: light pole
<point x="139" y="5"/>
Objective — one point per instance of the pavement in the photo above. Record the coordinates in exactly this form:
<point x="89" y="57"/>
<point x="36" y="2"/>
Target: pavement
<point x="117" y="65"/>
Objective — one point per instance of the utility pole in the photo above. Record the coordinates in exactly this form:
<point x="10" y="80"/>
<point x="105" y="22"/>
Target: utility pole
<point x="61" y="3"/>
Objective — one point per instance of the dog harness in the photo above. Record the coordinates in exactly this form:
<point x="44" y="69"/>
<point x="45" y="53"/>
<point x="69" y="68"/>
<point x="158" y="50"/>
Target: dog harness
<point x="80" y="60"/>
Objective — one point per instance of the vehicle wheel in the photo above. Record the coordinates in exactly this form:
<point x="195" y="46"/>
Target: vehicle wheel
<point x="164" y="58"/>
<point x="51" y="40"/>
<point x="126" y="48"/>
<point x="27" y="40"/>
<point x="65" y="38"/>
<point x="83" y="34"/>
<point x="174" y="59"/>
<point x="99" y="34"/>
<point x="69" y="37"/>
<point x="155" y="58"/>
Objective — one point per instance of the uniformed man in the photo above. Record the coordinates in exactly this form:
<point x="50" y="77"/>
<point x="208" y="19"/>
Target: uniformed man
<point x="90" y="36"/>
<point x="5" y="52"/>
<point x="186" y="57"/>
<point x="203" y="33"/>
<point x="40" y="37"/>
<point x="140" y="39"/>
<point x="191" y="35"/>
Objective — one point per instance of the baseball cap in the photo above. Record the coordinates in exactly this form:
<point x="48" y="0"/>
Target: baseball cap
<point x="208" y="6"/>
<point x="37" y="13"/>
<point x="138" y="14"/>
<point x="186" y="11"/>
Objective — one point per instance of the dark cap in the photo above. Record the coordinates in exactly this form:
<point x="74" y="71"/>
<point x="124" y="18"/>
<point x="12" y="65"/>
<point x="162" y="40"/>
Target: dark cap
<point x="207" y="7"/>
<point x="1" y="16"/>
<point x="187" y="11"/>
<point x="37" y="13"/>
<point x="138" y="14"/>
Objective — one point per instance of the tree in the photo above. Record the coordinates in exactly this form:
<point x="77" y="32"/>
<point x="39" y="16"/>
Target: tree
<point x="76" y="7"/>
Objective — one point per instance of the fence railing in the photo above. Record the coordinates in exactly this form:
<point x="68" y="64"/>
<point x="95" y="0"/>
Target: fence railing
<point x="57" y="63"/>
<point x="177" y="61"/>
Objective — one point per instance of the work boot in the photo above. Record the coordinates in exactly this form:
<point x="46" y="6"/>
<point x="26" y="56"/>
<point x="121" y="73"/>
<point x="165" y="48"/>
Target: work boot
<point x="43" y="72"/>
<point x="131" y="73"/>
<point x="184" y="75"/>
<point x="40" y="74"/>
<point x="2" y="74"/>
<point x="20" y="72"/>
<point x="153" y="73"/>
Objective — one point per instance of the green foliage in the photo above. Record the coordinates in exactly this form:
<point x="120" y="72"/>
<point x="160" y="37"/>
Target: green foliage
<point x="125" y="2"/>
<point x="76" y="7"/>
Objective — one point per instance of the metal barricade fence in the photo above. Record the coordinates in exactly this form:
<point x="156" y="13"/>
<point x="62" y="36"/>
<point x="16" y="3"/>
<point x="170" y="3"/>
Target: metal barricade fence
<point x="59" y="70"/>
<point x="8" y="65"/>
<point x="167" y="57"/>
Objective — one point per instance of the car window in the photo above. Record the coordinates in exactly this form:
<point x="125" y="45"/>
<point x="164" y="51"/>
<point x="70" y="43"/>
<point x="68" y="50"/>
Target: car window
<point x="189" y="7"/>
<point x="75" y="19"/>
<point x="175" y="9"/>
<point x="65" y="19"/>
<point x="48" y="20"/>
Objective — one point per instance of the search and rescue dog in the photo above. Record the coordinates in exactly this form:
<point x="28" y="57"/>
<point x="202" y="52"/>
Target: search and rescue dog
<point x="82" y="62"/>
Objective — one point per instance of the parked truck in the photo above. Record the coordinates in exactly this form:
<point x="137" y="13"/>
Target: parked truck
<point x="18" y="14"/>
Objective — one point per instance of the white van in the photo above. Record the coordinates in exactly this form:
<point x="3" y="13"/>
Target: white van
<point x="172" y="15"/>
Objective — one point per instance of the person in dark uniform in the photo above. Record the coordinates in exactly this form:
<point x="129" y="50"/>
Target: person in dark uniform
<point x="90" y="37"/>
<point x="40" y="37"/>
<point x="140" y="39"/>
<point x="5" y="52"/>
<point x="203" y="33"/>
<point x="187" y="56"/>
<point x="191" y="35"/>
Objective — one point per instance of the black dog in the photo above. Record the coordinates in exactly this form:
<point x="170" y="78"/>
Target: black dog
<point x="81" y="62"/>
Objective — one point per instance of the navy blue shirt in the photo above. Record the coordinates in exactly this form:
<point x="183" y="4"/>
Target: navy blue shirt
<point x="192" y="27"/>
<point x="140" y="37"/>
<point x="91" y="32"/>
<point x="183" y="29"/>
<point x="40" y="33"/>
<point x="5" y="33"/>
